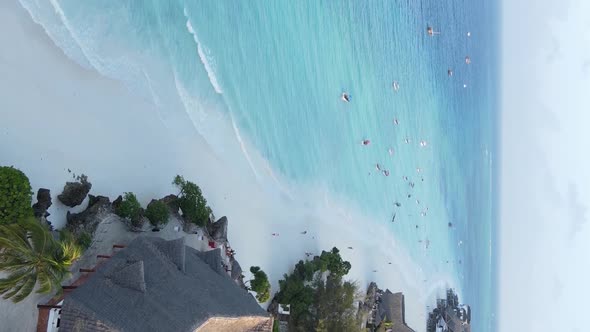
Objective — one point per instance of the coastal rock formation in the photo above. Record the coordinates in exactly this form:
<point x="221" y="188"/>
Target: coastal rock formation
<point x="218" y="230"/>
<point x="117" y="202"/>
<point x="172" y="202"/>
<point x="88" y="220"/>
<point x="43" y="203"/>
<point x="75" y="192"/>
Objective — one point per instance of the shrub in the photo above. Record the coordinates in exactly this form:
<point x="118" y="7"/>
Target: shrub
<point x="130" y="209"/>
<point x="191" y="202"/>
<point x="15" y="195"/>
<point x="157" y="213"/>
<point x="84" y="240"/>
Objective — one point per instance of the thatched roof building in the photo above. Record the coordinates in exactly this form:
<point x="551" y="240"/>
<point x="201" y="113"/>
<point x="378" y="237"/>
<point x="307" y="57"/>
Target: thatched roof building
<point x="158" y="285"/>
<point x="392" y="309"/>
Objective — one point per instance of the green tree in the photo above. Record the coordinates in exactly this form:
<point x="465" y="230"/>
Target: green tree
<point x="260" y="284"/>
<point x="157" y="212"/>
<point x="130" y="209"/>
<point x="319" y="298"/>
<point x="15" y="195"/>
<point x="30" y="255"/>
<point x="191" y="202"/>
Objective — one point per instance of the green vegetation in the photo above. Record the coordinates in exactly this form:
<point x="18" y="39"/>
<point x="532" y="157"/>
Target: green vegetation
<point x="83" y="240"/>
<point x="275" y="326"/>
<point x="29" y="255"/>
<point x="191" y="202"/>
<point x="15" y="195"/>
<point x="320" y="299"/>
<point x="157" y="213"/>
<point x="260" y="284"/>
<point x="130" y="209"/>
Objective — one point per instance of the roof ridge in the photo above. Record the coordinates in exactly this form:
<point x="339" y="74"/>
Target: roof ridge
<point x="129" y="275"/>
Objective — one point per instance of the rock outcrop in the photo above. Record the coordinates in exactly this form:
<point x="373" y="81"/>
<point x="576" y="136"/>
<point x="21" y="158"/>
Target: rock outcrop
<point x="87" y="220"/>
<point x="74" y="193"/>
<point x="172" y="202"/>
<point x="43" y="203"/>
<point x="218" y="230"/>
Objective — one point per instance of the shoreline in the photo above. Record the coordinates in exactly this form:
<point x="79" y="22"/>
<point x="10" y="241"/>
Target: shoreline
<point x="73" y="118"/>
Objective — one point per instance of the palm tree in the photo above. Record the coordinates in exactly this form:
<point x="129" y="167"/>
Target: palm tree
<point x="29" y="254"/>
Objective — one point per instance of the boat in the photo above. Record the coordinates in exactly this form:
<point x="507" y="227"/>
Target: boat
<point x="345" y="97"/>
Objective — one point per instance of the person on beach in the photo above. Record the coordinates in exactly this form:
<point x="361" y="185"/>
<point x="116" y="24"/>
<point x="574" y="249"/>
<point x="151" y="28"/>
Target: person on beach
<point x="304" y="232"/>
<point x="350" y="248"/>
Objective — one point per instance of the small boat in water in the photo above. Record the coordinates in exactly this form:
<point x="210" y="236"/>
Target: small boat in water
<point x="345" y="97"/>
<point x="431" y="32"/>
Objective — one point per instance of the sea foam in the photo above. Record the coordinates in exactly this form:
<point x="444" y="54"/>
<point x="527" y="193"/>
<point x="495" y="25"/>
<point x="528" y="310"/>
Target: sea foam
<point x="205" y="56"/>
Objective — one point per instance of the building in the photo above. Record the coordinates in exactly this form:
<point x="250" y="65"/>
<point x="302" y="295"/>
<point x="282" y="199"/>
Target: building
<point x="389" y="313"/>
<point x="158" y="285"/>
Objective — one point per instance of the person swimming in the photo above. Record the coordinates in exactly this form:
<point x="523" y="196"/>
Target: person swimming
<point x="407" y="140"/>
<point x="467" y="60"/>
<point x="395" y="86"/>
<point x="423" y="143"/>
<point x="365" y="142"/>
<point x="386" y="172"/>
<point x="390" y="150"/>
<point x="395" y="121"/>
<point x="378" y="167"/>
<point x="450" y="72"/>
<point x="345" y="97"/>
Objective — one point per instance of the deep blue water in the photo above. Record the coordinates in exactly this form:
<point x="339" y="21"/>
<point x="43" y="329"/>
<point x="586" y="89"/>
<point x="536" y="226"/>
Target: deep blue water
<point x="277" y="70"/>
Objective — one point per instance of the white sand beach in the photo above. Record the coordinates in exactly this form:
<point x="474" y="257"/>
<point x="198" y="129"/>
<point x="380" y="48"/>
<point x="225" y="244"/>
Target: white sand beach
<point x="56" y="116"/>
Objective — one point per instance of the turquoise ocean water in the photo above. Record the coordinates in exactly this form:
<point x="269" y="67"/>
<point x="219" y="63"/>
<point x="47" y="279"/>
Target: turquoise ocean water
<point x="276" y="70"/>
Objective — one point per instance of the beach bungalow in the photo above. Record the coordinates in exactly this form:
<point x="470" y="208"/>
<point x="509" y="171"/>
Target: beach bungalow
<point x="158" y="285"/>
<point x="390" y="314"/>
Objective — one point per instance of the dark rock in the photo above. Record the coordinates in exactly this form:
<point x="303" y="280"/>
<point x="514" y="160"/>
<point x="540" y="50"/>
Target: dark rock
<point x="88" y="220"/>
<point x="172" y="202"/>
<point x="218" y="230"/>
<point x="75" y="192"/>
<point x="43" y="203"/>
<point x="117" y="202"/>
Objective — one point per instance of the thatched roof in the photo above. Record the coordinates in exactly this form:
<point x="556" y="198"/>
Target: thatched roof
<point x="236" y="269"/>
<point x="392" y="305"/>
<point x="156" y="285"/>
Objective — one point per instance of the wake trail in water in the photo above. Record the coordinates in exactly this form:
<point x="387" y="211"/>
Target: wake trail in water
<point x="204" y="54"/>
